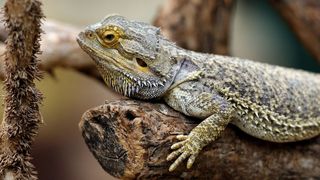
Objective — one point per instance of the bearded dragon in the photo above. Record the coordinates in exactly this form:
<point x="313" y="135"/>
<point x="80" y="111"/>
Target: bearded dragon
<point x="268" y="102"/>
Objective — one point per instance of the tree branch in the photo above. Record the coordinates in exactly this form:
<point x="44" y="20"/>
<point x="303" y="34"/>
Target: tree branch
<point x="131" y="140"/>
<point x="59" y="49"/>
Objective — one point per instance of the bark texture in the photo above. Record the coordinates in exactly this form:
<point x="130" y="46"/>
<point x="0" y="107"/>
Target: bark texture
<point x="131" y="139"/>
<point x="199" y="25"/>
<point x="22" y="99"/>
<point x="304" y="19"/>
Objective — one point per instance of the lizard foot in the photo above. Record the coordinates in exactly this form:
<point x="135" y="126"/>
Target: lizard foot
<point x="188" y="147"/>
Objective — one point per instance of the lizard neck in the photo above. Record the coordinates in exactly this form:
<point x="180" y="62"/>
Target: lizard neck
<point x="188" y="70"/>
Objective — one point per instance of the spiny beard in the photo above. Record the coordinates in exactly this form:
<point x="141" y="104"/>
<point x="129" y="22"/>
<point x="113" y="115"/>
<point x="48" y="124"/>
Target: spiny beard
<point x="128" y="85"/>
<point x="121" y="84"/>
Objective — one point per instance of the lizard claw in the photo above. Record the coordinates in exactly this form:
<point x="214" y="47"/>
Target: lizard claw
<point x="185" y="149"/>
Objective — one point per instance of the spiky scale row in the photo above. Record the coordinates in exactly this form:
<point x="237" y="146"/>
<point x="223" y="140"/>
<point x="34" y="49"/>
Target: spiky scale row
<point x="128" y="85"/>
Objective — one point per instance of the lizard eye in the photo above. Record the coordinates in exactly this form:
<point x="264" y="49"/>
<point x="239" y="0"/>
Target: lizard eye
<point x="110" y="37"/>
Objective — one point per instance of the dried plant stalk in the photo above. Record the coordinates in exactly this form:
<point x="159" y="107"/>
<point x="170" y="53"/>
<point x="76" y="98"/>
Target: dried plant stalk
<point x="22" y="99"/>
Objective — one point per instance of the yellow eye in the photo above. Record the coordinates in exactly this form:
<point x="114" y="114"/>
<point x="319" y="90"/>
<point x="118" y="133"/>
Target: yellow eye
<point x="110" y="38"/>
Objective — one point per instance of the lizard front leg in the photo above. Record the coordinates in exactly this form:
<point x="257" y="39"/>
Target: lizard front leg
<point x="191" y="145"/>
<point x="211" y="106"/>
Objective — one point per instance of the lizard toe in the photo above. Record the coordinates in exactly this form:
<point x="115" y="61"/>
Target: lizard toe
<point x="179" y="160"/>
<point x="182" y="137"/>
<point x="178" y="145"/>
<point x="174" y="154"/>
<point x="191" y="160"/>
<point x="184" y="149"/>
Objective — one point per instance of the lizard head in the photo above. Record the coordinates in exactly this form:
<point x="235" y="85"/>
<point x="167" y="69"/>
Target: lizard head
<point x="132" y="57"/>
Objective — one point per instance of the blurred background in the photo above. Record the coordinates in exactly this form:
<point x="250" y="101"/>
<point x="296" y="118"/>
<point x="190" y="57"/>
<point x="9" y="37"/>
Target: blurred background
<point x="258" y="33"/>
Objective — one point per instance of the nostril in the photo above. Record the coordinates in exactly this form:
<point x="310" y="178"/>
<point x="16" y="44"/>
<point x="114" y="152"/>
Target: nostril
<point x="130" y="116"/>
<point x="89" y="34"/>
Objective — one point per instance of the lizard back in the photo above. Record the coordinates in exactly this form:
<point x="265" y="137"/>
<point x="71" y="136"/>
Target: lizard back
<point x="276" y="100"/>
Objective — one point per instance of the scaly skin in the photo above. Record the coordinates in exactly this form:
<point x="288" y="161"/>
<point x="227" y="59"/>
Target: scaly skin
<point x="268" y="102"/>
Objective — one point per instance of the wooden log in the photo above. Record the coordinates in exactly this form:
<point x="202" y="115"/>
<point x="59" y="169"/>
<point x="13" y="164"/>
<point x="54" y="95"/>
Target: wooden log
<point x="131" y="140"/>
